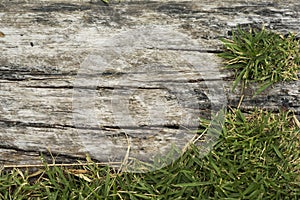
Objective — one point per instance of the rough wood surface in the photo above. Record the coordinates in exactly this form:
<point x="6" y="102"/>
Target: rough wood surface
<point x="84" y="77"/>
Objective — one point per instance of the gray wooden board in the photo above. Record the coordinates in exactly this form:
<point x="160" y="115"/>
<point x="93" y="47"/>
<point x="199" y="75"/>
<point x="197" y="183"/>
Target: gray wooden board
<point x="81" y="77"/>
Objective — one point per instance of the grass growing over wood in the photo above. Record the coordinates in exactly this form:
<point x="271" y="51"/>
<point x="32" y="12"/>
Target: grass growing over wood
<point x="256" y="157"/>
<point x="262" y="57"/>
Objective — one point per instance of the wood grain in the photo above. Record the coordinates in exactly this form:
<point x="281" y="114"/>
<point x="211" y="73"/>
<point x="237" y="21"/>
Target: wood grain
<point x="84" y="77"/>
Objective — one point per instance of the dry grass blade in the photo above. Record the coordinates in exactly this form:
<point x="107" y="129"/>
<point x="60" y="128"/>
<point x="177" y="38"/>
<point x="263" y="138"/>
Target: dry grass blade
<point x="256" y="157"/>
<point x="296" y="121"/>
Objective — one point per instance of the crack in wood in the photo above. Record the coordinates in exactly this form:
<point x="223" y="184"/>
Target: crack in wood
<point x="215" y="51"/>
<point x="49" y="156"/>
<point x="9" y="123"/>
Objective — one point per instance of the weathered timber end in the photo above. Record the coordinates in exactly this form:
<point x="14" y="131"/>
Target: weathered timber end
<point x="128" y="80"/>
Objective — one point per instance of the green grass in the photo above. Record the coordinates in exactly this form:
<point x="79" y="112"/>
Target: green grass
<point x="261" y="57"/>
<point x="256" y="157"/>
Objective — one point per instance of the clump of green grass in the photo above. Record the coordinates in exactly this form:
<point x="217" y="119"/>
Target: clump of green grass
<point x="256" y="157"/>
<point x="261" y="56"/>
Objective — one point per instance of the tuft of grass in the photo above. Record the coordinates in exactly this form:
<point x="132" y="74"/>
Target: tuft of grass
<point x="262" y="57"/>
<point x="256" y="157"/>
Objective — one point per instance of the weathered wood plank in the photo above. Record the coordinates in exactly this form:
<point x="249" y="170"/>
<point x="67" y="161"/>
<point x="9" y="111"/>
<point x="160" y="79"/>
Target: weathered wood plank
<point x="83" y="77"/>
